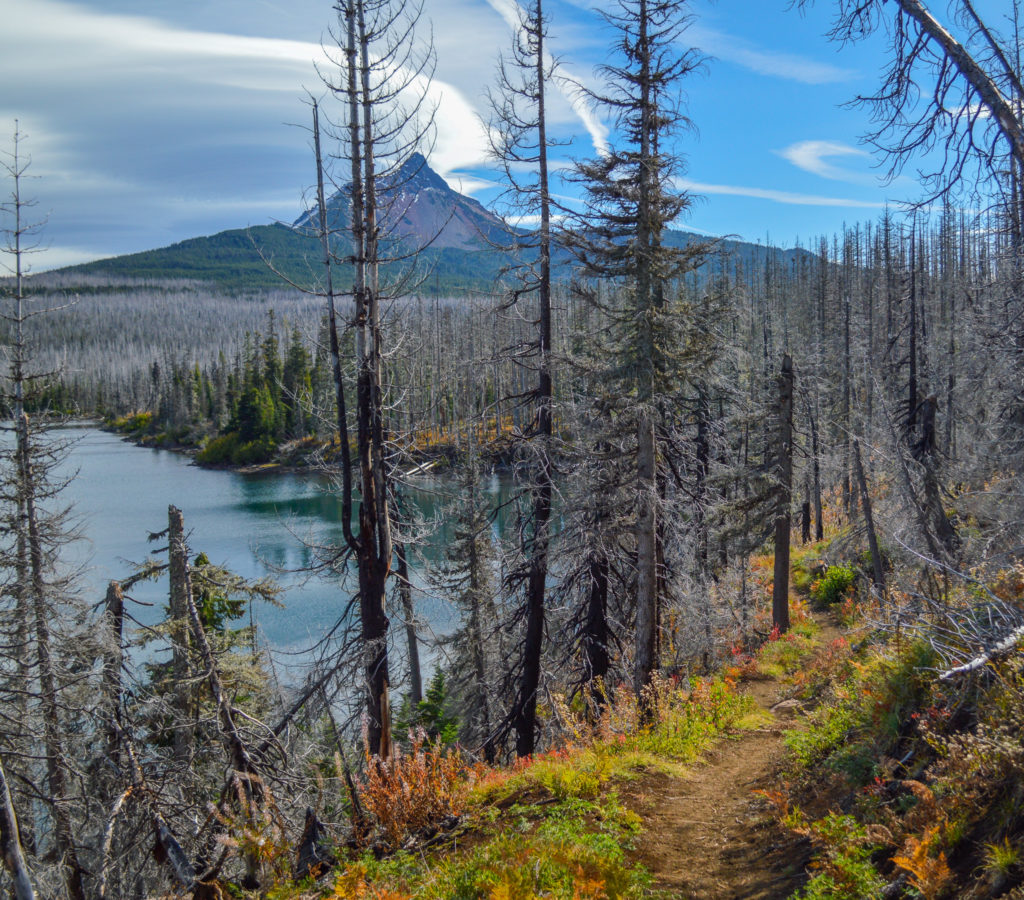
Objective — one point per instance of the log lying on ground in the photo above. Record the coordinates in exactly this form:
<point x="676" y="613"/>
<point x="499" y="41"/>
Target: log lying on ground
<point x="1006" y="645"/>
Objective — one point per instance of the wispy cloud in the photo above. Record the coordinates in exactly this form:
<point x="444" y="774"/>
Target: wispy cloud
<point x="68" y="27"/>
<point x="787" y="197"/>
<point x="469" y="184"/>
<point x="814" y="156"/>
<point x="167" y="68"/>
<point x="765" y="62"/>
<point x="567" y="84"/>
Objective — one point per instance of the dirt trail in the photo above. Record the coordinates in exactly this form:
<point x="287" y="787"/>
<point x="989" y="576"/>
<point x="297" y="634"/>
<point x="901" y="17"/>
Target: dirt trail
<point x="707" y="836"/>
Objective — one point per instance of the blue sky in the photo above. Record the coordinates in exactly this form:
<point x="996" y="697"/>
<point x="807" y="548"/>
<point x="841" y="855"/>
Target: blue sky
<point x="152" y="121"/>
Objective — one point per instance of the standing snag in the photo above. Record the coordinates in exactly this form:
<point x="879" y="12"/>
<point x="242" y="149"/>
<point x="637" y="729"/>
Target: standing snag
<point x="784" y="496"/>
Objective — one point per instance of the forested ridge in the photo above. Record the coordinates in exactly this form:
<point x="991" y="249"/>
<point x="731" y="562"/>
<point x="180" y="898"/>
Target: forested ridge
<point x="755" y="629"/>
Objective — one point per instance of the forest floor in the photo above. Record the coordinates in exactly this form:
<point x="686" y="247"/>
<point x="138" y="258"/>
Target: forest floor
<point x="707" y="834"/>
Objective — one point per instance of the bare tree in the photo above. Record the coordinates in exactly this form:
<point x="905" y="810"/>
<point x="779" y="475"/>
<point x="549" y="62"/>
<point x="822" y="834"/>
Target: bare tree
<point x="10" y="843"/>
<point x="383" y="83"/>
<point x="519" y="140"/>
<point x="958" y="93"/>
<point x="38" y="590"/>
<point x="784" y="474"/>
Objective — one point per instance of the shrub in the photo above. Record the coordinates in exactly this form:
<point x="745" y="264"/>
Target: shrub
<point x="252" y="452"/>
<point x="1002" y="858"/>
<point x="229" y="448"/>
<point x="929" y="873"/>
<point x="136" y="423"/>
<point x="834" y="585"/>
<point x="415" y="789"/>
<point x="845" y="870"/>
<point x="219" y="450"/>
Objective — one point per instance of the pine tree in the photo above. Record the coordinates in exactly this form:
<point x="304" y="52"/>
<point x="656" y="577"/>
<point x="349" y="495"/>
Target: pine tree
<point x="631" y="201"/>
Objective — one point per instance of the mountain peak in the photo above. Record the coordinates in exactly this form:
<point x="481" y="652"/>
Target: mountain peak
<point x="417" y="206"/>
<point x="416" y="173"/>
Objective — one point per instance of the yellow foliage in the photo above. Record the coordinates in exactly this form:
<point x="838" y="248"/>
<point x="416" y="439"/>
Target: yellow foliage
<point x="351" y="885"/>
<point x="929" y="875"/>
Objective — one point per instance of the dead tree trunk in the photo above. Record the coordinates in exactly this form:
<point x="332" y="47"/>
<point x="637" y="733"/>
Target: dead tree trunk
<point x="784" y="474"/>
<point x="647" y="570"/>
<point x="56" y="760"/>
<point x="238" y="753"/>
<point x="373" y="545"/>
<point x="113" y="660"/>
<point x="10" y="843"/>
<point x="409" y="613"/>
<point x="595" y="636"/>
<point x="819" y="522"/>
<point x="181" y="641"/>
<point x="877" y="568"/>
<point x="924" y="451"/>
<point x="167" y="850"/>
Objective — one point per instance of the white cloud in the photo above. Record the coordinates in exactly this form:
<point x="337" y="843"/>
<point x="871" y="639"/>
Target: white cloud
<point x="158" y="73"/>
<point x="57" y="22"/>
<point x="469" y="184"/>
<point x="813" y="156"/>
<point x="787" y="197"/>
<point x="567" y="85"/>
<point x="971" y="111"/>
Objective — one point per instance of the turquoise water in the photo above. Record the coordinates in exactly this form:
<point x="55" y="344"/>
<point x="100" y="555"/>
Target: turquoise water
<point x="254" y="525"/>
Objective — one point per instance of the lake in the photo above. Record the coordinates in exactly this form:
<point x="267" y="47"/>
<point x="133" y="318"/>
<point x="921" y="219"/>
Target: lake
<point x="253" y="524"/>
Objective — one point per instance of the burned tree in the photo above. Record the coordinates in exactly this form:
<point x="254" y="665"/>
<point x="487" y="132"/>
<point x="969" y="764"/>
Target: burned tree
<point x="784" y="496"/>
<point x="40" y="640"/>
<point x="382" y="85"/>
<point x="520" y="142"/>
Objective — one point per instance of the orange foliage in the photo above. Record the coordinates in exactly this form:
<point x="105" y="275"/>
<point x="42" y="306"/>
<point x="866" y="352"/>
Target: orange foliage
<point x="352" y="885"/>
<point x="929" y="875"/>
<point x="417" y="788"/>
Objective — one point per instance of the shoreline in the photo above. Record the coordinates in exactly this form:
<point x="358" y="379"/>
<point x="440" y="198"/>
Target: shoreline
<point x="423" y="464"/>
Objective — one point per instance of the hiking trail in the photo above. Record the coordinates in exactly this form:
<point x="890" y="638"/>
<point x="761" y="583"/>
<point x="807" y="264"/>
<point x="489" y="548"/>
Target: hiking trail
<point x="707" y="835"/>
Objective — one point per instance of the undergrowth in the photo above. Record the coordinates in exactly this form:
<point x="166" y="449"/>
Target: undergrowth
<point x="548" y="826"/>
<point x="907" y="784"/>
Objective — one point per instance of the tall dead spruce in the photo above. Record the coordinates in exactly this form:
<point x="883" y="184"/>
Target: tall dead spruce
<point x="38" y="592"/>
<point x="382" y="83"/>
<point x="519" y="141"/>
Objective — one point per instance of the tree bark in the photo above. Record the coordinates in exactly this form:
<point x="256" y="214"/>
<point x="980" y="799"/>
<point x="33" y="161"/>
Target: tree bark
<point x="595" y="634"/>
<point x="819" y="518"/>
<point x="57" y="766"/>
<point x="525" y="713"/>
<point x="181" y="639"/>
<point x="877" y="567"/>
<point x="784" y="474"/>
<point x="112" y="663"/>
<point x="10" y="843"/>
<point x="647" y="574"/>
<point x="409" y="613"/>
<point x="375" y="549"/>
